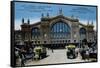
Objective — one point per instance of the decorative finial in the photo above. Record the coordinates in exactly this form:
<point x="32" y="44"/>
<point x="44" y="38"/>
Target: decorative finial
<point x="92" y="23"/>
<point x="77" y="17"/>
<point x="72" y="16"/>
<point x="22" y="20"/>
<point x="47" y="14"/>
<point x="60" y="11"/>
<point x="42" y="15"/>
<point x="28" y="21"/>
<point x="88" y="23"/>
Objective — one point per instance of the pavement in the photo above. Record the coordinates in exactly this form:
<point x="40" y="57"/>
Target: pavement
<point x="55" y="57"/>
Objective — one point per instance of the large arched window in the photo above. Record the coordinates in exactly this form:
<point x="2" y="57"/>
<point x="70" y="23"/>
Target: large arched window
<point x="35" y="32"/>
<point x="60" y="30"/>
<point x="82" y="33"/>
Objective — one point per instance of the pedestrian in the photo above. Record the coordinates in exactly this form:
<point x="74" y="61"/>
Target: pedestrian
<point x="76" y="51"/>
<point x="22" y="56"/>
<point x="87" y="55"/>
<point x="83" y="53"/>
<point x="52" y="50"/>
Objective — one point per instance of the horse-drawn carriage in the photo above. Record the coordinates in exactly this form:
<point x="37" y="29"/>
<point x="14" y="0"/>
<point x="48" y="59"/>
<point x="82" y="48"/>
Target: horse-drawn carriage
<point x="40" y="52"/>
<point x="71" y="52"/>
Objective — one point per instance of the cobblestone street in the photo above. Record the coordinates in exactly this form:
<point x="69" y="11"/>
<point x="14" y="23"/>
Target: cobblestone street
<point x="58" y="56"/>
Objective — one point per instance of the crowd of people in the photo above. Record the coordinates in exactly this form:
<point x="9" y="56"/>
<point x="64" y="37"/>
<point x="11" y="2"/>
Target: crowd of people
<point x="88" y="52"/>
<point x="24" y="53"/>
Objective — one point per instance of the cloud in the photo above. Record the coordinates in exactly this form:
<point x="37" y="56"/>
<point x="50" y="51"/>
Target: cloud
<point x="17" y="24"/>
<point x="81" y="10"/>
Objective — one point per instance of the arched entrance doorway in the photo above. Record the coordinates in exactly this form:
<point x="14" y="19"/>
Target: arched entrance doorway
<point x="83" y="37"/>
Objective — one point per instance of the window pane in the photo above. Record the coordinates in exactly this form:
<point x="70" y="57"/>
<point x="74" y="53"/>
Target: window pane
<point x="60" y="29"/>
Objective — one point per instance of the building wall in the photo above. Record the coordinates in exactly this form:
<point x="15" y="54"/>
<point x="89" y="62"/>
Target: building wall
<point x="44" y="34"/>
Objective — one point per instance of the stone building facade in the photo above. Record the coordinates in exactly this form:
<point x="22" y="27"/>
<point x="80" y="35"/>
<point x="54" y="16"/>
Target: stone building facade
<point x="56" y="30"/>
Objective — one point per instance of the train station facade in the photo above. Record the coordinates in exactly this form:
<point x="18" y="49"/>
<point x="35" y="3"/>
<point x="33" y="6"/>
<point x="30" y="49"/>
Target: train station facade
<point x="57" y="30"/>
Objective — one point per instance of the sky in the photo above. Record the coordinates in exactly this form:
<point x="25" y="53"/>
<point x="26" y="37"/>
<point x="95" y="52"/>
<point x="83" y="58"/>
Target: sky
<point x="33" y="12"/>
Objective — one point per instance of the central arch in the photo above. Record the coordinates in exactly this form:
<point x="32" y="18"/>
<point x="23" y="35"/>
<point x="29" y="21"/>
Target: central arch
<point x="60" y="30"/>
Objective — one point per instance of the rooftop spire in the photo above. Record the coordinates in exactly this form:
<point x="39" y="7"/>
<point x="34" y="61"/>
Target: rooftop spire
<point x="88" y="23"/>
<point x="22" y="20"/>
<point x="72" y="16"/>
<point x="77" y="17"/>
<point x="60" y="11"/>
<point x="28" y="21"/>
<point x="47" y="14"/>
<point x="92" y="23"/>
<point x="42" y="15"/>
